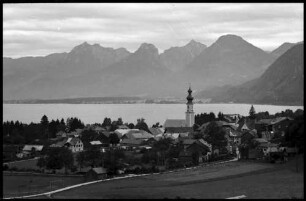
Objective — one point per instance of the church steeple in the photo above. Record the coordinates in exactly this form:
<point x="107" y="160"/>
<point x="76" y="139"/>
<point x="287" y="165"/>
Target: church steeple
<point x="189" y="97"/>
<point x="189" y="112"/>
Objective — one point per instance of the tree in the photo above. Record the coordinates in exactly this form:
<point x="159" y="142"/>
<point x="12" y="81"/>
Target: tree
<point x="81" y="159"/>
<point x="141" y="125"/>
<point x="41" y="163"/>
<point x="68" y="159"/>
<point x="93" y="157"/>
<point x="54" y="160"/>
<point x="131" y="125"/>
<point x="44" y="122"/>
<point x="252" y="113"/>
<point x="215" y="136"/>
<point x="113" y="138"/>
<point x="119" y="121"/>
<point x="59" y="157"/>
<point x="106" y="122"/>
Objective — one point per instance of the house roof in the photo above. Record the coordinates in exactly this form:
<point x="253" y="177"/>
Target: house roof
<point x="260" y="140"/>
<point x="36" y="147"/>
<point x="73" y="141"/>
<point x="98" y="128"/>
<point x="122" y="132"/>
<point x="130" y="142"/>
<point x="264" y="121"/>
<point x="96" y="142"/>
<point x="188" y="141"/>
<point x="156" y="131"/>
<point x="178" y="129"/>
<point x="60" y="133"/>
<point x="172" y="135"/>
<point x="280" y="119"/>
<point x="175" y="123"/>
<point x="183" y="135"/>
<point x="138" y="134"/>
<point x="100" y="170"/>
<point x="219" y="123"/>
<point x="123" y="127"/>
<point x="204" y="142"/>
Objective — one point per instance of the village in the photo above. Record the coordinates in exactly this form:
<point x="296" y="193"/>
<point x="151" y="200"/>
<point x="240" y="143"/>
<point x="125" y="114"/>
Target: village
<point x="105" y="150"/>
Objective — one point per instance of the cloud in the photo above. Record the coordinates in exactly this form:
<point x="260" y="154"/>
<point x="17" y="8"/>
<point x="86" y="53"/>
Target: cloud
<point x="41" y="29"/>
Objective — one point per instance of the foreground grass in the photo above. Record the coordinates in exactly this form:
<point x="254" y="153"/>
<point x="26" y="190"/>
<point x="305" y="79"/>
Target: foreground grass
<point x="17" y="185"/>
<point x="258" y="181"/>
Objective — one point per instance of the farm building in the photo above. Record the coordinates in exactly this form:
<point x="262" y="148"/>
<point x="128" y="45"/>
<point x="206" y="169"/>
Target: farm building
<point x="96" y="174"/>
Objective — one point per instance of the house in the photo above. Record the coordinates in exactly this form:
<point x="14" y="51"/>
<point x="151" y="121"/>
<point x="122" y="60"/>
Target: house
<point x="122" y="132"/>
<point x="246" y="124"/>
<point x="29" y="150"/>
<point x="61" y="134"/>
<point x="280" y="124"/>
<point x="123" y="127"/>
<point x="97" y="144"/>
<point x="175" y="123"/>
<point x="202" y="150"/>
<point x="99" y="129"/>
<point x="137" y="134"/>
<point x="10" y="152"/>
<point x="263" y="125"/>
<point x="130" y="143"/>
<point x="157" y="131"/>
<point x="74" y="144"/>
<point x="232" y="118"/>
<point x="96" y="174"/>
<point x="222" y="124"/>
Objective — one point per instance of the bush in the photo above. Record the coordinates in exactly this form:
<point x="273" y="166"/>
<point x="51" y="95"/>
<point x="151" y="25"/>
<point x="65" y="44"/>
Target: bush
<point x="73" y="168"/>
<point x="14" y="168"/>
<point x="5" y="167"/>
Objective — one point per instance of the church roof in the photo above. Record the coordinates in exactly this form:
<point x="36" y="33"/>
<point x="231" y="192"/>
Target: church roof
<point x="179" y="129"/>
<point x="175" y="123"/>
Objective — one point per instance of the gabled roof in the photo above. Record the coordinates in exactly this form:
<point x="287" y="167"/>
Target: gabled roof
<point x="204" y="143"/>
<point x="175" y="123"/>
<point x="260" y="140"/>
<point x="172" y="135"/>
<point x="280" y="119"/>
<point x="97" y="142"/>
<point x="73" y="141"/>
<point x="183" y="135"/>
<point x="123" y="127"/>
<point x="130" y="142"/>
<point x="178" y="129"/>
<point x="264" y="121"/>
<point x="122" y="132"/>
<point x="188" y="141"/>
<point x="36" y="147"/>
<point x="156" y="131"/>
<point x="100" y="170"/>
<point x="138" y="134"/>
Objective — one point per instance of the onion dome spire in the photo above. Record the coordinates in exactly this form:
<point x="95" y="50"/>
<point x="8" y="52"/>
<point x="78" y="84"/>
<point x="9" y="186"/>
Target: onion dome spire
<point x="189" y="97"/>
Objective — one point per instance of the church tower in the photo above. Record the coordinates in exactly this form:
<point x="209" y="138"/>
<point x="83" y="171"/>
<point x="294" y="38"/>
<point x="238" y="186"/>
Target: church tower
<point x="189" y="112"/>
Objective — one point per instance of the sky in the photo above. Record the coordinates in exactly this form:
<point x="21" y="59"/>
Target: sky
<point x="39" y="29"/>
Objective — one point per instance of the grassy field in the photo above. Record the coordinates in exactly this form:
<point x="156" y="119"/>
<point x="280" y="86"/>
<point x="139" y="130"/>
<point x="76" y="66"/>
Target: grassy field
<point x="15" y="185"/>
<point x="259" y="180"/>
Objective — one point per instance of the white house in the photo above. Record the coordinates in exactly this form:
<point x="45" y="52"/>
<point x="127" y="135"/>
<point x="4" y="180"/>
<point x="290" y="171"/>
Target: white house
<point x="75" y="145"/>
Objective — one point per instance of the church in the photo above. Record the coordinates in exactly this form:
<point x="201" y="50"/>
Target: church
<point x="182" y="125"/>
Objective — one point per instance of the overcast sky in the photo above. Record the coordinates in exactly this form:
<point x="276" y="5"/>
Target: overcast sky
<point x="42" y="29"/>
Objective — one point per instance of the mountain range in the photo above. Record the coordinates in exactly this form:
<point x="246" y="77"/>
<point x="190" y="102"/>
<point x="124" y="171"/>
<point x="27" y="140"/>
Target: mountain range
<point x="281" y="84"/>
<point x="96" y="71"/>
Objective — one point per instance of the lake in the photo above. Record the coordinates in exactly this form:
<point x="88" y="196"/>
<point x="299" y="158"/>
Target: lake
<point x="152" y="113"/>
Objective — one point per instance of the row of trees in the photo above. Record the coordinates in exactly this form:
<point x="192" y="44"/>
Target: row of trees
<point x="21" y="133"/>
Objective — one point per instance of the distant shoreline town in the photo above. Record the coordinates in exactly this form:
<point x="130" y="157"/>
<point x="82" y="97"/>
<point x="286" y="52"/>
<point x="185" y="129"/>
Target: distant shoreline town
<point x="105" y="100"/>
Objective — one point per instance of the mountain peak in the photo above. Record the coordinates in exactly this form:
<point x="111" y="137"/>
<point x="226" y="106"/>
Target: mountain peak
<point x="229" y="38"/>
<point x="147" y="48"/>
